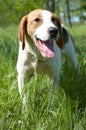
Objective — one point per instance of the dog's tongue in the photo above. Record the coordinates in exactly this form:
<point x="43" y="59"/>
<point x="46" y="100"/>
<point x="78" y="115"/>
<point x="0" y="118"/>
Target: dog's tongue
<point x="45" y="47"/>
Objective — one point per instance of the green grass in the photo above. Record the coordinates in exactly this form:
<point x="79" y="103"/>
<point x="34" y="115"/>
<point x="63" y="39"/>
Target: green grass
<point x="68" y="109"/>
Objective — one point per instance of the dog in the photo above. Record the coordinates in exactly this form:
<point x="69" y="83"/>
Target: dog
<point x="42" y="42"/>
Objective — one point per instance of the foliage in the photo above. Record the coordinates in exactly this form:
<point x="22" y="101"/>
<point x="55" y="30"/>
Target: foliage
<point x="83" y="4"/>
<point x="11" y="11"/>
<point x="67" y="111"/>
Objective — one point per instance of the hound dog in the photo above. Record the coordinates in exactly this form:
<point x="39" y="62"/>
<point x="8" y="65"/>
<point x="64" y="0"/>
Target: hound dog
<point x="42" y="40"/>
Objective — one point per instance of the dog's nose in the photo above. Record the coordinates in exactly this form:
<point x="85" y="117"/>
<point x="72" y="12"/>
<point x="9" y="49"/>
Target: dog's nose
<point x="53" y="32"/>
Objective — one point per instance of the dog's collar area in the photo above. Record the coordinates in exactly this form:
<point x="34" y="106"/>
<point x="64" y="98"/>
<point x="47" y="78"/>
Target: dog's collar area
<point x="43" y="60"/>
<point x="38" y="59"/>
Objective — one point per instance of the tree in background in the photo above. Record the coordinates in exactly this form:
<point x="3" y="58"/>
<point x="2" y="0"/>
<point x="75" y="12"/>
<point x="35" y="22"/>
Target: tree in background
<point x="50" y="5"/>
<point x="71" y="10"/>
<point x="82" y="10"/>
<point x="68" y="12"/>
<point x="11" y="11"/>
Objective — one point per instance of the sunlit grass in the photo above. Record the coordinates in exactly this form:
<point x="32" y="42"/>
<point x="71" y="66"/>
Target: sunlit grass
<point x="68" y="109"/>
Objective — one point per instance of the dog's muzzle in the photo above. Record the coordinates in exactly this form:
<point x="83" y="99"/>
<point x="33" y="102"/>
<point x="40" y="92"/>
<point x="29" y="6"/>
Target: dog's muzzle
<point x="46" y="46"/>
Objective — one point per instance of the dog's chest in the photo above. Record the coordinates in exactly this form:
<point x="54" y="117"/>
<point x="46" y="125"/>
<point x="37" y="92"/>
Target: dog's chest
<point x="43" y="67"/>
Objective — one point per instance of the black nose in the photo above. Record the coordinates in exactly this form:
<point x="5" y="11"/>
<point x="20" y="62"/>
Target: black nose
<point x="53" y="32"/>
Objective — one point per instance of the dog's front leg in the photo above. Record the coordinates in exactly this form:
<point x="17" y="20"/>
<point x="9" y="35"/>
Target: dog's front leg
<point x="23" y="95"/>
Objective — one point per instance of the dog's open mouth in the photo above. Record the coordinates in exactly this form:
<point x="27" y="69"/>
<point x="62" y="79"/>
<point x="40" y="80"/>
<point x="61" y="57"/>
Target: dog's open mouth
<point x="45" y="47"/>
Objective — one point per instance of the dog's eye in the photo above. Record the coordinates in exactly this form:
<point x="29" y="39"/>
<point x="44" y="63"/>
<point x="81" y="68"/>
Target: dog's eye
<point x="37" y="20"/>
<point x="53" y="19"/>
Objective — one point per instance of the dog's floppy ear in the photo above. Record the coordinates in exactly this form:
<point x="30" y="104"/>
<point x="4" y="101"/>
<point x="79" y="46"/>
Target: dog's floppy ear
<point x="59" y="41"/>
<point x="22" y="31"/>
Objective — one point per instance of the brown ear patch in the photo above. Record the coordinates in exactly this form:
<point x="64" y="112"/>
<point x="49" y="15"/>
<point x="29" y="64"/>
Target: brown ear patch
<point x="59" y="41"/>
<point x="58" y="24"/>
<point x="22" y="31"/>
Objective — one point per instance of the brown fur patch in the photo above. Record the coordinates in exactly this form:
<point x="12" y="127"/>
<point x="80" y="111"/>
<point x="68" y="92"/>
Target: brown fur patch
<point x="35" y="20"/>
<point x="28" y="25"/>
<point x="22" y="31"/>
<point x="57" y="22"/>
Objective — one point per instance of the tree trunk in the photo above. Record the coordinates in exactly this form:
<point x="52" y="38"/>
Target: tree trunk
<point x="50" y="5"/>
<point x="68" y="12"/>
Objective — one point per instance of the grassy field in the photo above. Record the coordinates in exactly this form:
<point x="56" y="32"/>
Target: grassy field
<point x="68" y="109"/>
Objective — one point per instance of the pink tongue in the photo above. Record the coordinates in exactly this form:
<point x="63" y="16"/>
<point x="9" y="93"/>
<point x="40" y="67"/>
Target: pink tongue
<point x="45" y="48"/>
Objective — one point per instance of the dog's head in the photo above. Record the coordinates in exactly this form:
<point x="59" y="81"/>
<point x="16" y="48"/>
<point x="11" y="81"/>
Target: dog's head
<point x="43" y="27"/>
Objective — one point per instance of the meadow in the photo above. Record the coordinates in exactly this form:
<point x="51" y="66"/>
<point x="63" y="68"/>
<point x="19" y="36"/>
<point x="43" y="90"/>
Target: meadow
<point x="68" y="109"/>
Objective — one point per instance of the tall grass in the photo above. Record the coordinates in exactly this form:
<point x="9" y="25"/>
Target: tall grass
<point x="68" y="109"/>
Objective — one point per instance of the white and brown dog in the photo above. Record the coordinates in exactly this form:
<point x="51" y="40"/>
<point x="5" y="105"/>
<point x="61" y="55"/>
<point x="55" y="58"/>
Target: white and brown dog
<point x="42" y="41"/>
